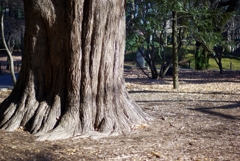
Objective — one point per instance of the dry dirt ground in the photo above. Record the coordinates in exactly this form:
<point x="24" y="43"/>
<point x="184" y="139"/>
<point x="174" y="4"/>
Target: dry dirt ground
<point x="199" y="121"/>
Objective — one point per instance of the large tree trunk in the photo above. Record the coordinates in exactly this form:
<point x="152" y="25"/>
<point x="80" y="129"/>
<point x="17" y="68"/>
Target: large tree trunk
<point x="71" y="81"/>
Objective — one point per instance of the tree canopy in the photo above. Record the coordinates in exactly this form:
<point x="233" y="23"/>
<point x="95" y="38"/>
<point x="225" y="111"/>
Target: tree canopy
<point x="201" y="21"/>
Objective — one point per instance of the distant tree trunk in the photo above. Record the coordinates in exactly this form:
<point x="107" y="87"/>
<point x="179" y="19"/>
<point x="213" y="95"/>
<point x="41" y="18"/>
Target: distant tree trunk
<point x="22" y="43"/>
<point x="230" y="6"/>
<point x="175" y="51"/>
<point x="218" y="57"/>
<point x="201" y="57"/>
<point x="150" y="58"/>
<point x="220" y="67"/>
<point x="9" y="52"/>
<point x="71" y="81"/>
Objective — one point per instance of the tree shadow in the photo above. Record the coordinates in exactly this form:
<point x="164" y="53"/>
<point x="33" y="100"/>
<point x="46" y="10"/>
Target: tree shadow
<point x="159" y="91"/>
<point x="42" y="157"/>
<point x="211" y="111"/>
<point x="31" y="155"/>
<point x="148" y="81"/>
<point x="207" y="110"/>
<point x="209" y="76"/>
<point x="152" y="101"/>
<point x="187" y="76"/>
<point x="212" y="80"/>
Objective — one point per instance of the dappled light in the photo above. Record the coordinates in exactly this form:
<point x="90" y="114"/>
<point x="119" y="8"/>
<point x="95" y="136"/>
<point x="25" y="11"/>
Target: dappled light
<point x="120" y="80"/>
<point x="197" y="121"/>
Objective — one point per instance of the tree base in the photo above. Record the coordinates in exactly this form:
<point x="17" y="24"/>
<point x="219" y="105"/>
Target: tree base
<point x="47" y="123"/>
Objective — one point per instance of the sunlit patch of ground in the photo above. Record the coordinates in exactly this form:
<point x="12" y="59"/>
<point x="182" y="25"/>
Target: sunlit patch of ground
<point x="199" y="121"/>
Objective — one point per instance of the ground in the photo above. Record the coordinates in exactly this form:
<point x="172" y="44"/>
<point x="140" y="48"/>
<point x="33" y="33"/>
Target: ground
<point x="199" y="121"/>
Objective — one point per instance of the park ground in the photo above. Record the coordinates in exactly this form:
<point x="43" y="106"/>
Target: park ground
<point x="199" y="121"/>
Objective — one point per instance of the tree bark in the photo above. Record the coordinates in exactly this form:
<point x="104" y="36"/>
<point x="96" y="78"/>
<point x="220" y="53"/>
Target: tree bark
<point x="218" y="57"/>
<point x="71" y="82"/>
<point x="175" y="51"/>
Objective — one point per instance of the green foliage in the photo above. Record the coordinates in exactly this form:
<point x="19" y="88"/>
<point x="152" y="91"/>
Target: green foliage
<point x="201" y="61"/>
<point x="212" y="65"/>
<point x="200" y="22"/>
<point x="146" y="23"/>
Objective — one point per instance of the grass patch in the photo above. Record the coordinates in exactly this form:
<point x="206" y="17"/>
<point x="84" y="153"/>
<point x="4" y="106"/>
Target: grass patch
<point x="225" y="63"/>
<point x="186" y="56"/>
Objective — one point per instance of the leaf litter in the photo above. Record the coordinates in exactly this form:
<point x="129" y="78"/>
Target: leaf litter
<point x="199" y="121"/>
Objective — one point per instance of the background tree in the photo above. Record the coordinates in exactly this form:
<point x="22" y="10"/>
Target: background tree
<point x="11" y="29"/>
<point x="207" y="27"/>
<point x="143" y="31"/>
<point x="231" y="33"/>
<point x="71" y="81"/>
<point x="148" y="34"/>
<point x="227" y="10"/>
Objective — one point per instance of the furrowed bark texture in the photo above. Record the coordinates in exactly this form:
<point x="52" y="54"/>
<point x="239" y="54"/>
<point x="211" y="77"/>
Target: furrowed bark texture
<point x="71" y="82"/>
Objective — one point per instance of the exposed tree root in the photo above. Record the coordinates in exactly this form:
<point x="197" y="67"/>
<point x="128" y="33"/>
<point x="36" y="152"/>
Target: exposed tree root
<point x="47" y="123"/>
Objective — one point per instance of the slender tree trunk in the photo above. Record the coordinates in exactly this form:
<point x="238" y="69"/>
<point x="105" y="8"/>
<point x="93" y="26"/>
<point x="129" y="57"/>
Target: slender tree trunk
<point x="218" y="57"/>
<point x="71" y="81"/>
<point x="198" y="61"/>
<point x="10" y="57"/>
<point x="175" y="51"/>
<point x="220" y="67"/>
